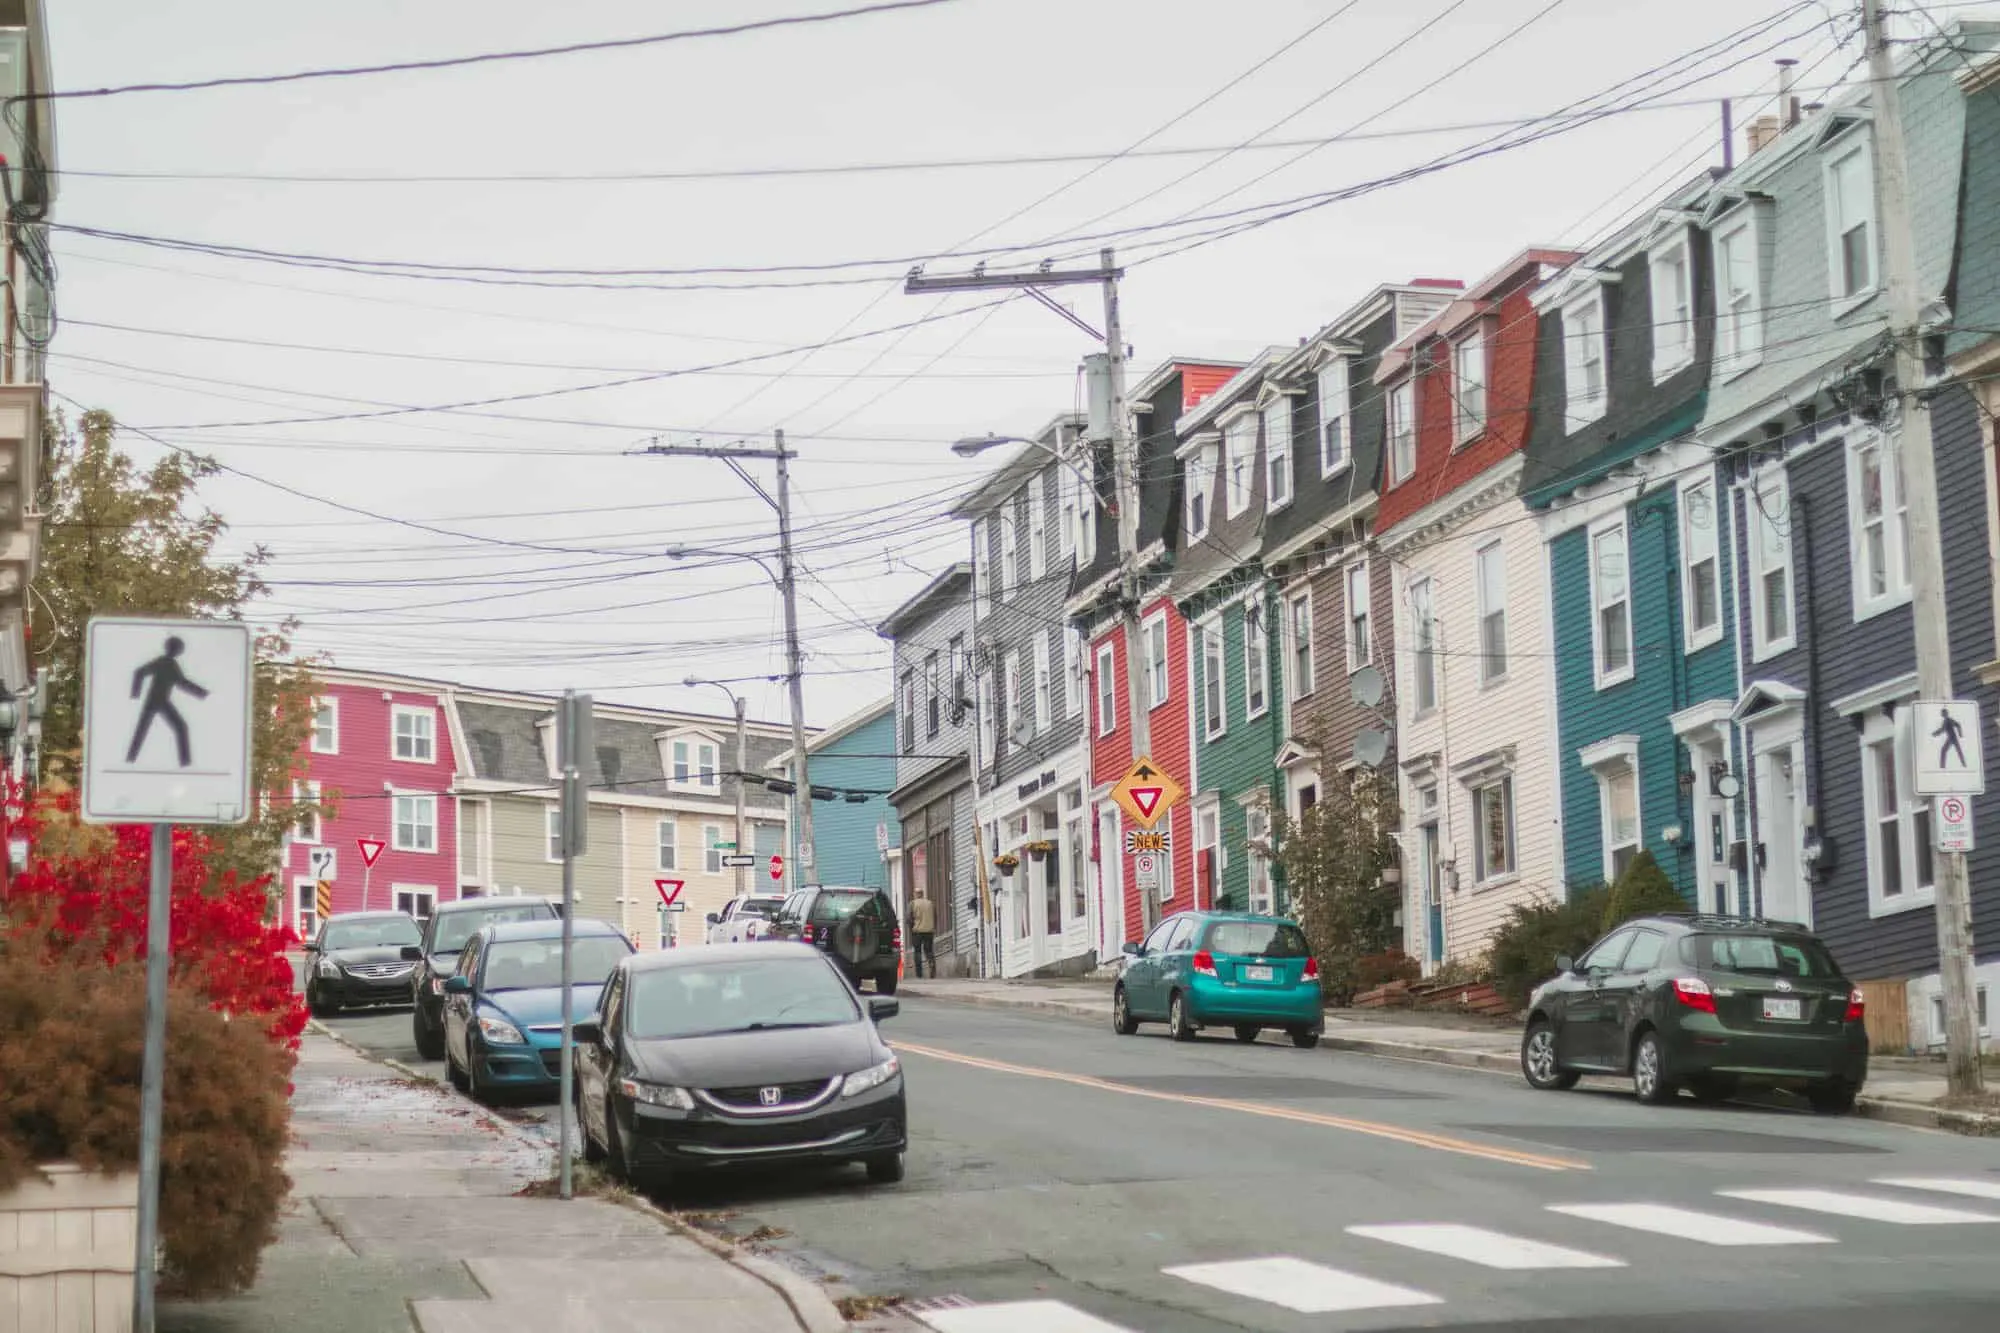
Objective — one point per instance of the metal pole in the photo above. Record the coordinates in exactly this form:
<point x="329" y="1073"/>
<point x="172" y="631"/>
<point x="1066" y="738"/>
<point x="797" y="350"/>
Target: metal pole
<point x="803" y="859"/>
<point x="742" y="768"/>
<point x="1920" y="495"/>
<point x="979" y="871"/>
<point x="569" y="747"/>
<point x="365" y="870"/>
<point x="153" y="1073"/>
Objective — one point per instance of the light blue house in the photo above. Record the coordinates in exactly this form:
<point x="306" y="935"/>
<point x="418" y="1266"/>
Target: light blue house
<point x="855" y="759"/>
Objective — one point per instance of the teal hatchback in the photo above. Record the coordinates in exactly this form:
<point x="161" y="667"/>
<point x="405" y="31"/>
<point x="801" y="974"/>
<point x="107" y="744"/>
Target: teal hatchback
<point x="1221" y="969"/>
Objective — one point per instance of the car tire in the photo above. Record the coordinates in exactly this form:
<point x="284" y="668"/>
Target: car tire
<point x="886" y="983"/>
<point x="318" y="1005"/>
<point x="429" y="1040"/>
<point x="1538" y="1059"/>
<point x="1835" y="1098"/>
<point x="1178" y="1023"/>
<point x="615" y="1161"/>
<point x="593" y="1151"/>
<point x="1712" y="1089"/>
<point x="886" y="1170"/>
<point x="1122" y="1021"/>
<point x="1652" y="1081"/>
<point x="475" y="1087"/>
<point x="452" y="1073"/>
<point x="1305" y="1038"/>
<point x="1248" y="1032"/>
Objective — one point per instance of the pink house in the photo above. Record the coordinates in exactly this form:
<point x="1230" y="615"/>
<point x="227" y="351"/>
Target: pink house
<point x="383" y="745"/>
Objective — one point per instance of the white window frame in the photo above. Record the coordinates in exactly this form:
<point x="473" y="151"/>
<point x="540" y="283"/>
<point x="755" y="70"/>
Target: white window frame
<point x="1213" y="696"/>
<point x="1360" y="624"/>
<point x="419" y="801"/>
<point x="1739" y="322"/>
<point x="1469" y="409"/>
<point x="1256" y="660"/>
<point x="1086" y="510"/>
<point x="1895" y="528"/>
<point x="1602" y="602"/>
<point x="1767" y="501"/>
<point x="704" y="753"/>
<point x="982" y="565"/>
<point x="711" y="855"/>
<point x="1694" y="637"/>
<point x="1421" y="594"/>
<point x="1489" y="677"/>
<point x="1299" y="667"/>
<point x="1336" y="444"/>
<point x="1585" y="339"/>
<point x="331" y="707"/>
<point x="1402" y="430"/>
<point x="1849" y="147"/>
<point x="1278" y="454"/>
<point x="414" y="893"/>
<point x="989" y="724"/>
<point x="1612" y="761"/>
<point x="1911" y="815"/>
<point x="1010" y="690"/>
<point x="667" y="844"/>
<point x="1072" y="671"/>
<point x="1208" y="837"/>
<point x="1199" y="502"/>
<point x="1038" y="527"/>
<point x="1980" y="1011"/>
<point x="427" y="733"/>
<point x="306" y="792"/>
<point x="1045" y="712"/>
<point x="1670" y="274"/>
<point x="1157" y="661"/>
<point x="1107" y="689"/>
<point x="1256" y="829"/>
<point x="1239" y="463"/>
<point x="1067" y="526"/>
<point x="1483" y="874"/>
<point x="552" y="832"/>
<point x="1010" y="547"/>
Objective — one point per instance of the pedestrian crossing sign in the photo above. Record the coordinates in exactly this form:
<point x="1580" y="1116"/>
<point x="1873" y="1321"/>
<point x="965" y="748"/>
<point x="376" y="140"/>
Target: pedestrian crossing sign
<point x="1947" y="745"/>
<point x="1146" y="793"/>
<point x="166" y="721"/>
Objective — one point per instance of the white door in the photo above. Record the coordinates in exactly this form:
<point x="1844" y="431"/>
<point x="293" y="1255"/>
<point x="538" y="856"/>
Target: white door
<point x="1110" y="885"/>
<point x="1712" y="831"/>
<point x="1786" y="896"/>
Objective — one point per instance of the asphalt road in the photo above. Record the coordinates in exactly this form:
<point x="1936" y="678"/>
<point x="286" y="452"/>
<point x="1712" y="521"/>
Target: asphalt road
<point x="1066" y="1180"/>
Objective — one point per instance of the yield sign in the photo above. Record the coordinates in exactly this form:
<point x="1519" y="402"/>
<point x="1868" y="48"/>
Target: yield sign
<point x="371" y="848"/>
<point x="1146" y="793"/>
<point x="670" y="889"/>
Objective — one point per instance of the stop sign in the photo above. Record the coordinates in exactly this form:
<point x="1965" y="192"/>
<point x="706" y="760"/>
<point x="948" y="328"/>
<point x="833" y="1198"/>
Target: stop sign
<point x="777" y="867"/>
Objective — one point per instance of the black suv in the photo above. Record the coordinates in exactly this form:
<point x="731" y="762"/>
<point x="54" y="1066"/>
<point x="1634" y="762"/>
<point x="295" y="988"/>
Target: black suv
<point x="857" y="927"/>
<point x="1704" y="1003"/>
<point x="436" y="957"/>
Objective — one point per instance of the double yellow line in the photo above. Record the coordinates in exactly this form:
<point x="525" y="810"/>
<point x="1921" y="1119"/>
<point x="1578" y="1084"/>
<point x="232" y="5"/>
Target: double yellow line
<point x="1415" y="1138"/>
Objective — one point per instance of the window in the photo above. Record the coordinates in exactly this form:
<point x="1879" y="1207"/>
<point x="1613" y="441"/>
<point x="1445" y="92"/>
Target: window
<point x="1701" y="574"/>
<point x="1333" y="406"/>
<point x="1878" y="538"/>
<point x="1611" y="604"/>
<point x="988" y="724"/>
<point x="668" y="838"/>
<point x="932" y="702"/>
<point x="955" y="676"/>
<point x="1213" y="703"/>
<point x="1207" y="846"/>
<point x="1644" y="955"/>
<point x="1493" y="829"/>
<point x="1256" y="661"/>
<point x="1607" y="956"/>
<point x="1618" y="803"/>
<point x="1849" y="186"/>
<point x="1010" y="547"/>
<point x="1256" y="834"/>
<point x="1937" y="1015"/>
<point x="1239" y="457"/>
<point x="326" y="726"/>
<point x="414" y="734"/>
<point x="1107" y="691"/>
<point x="415" y="824"/>
<point x="552" y="832"/>
<point x="982" y="566"/>
<point x="1900" y="873"/>
<point x="1010" y="686"/>
<point x="1066" y="516"/>
<point x="1490" y="587"/>
<point x="694" y="760"/>
<point x="1739" y="315"/>
<point x="1278" y="453"/>
<point x="1584" y="355"/>
<point x="1072" y="671"/>
<point x="1423" y="662"/>
<point x="1044" y="703"/>
<point x="909" y="711"/>
<point x="1673" y="309"/>
<point x="306" y="828"/>
<point x="1360" y="647"/>
<point x="711" y="852"/>
<point x="1301" y="660"/>
<point x="1086" y="512"/>
<point x="1402" y="432"/>
<point x="1200" y="489"/>
<point x="1155" y="649"/>
<point x="1037" y="500"/>
<point x="1468" y="378"/>
<point x="417" y="903"/>
<point x="1770" y="562"/>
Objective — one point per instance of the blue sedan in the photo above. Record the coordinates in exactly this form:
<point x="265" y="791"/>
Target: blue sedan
<point x="503" y="1006"/>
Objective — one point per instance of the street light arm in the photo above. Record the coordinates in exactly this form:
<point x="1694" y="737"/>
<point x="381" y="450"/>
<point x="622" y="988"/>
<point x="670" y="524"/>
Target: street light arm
<point x="683" y="552"/>
<point x="974" y="445"/>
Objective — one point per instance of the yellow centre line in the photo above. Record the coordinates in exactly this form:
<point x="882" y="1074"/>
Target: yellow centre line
<point x="1416" y="1138"/>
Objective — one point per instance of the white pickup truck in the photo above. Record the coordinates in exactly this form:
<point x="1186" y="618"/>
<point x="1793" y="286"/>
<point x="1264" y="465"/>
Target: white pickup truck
<point x="743" y="919"/>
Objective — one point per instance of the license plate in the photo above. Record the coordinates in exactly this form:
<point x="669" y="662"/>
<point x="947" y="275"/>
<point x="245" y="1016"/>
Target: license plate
<point x="1257" y="974"/>
<point x="1783" y="1008"/>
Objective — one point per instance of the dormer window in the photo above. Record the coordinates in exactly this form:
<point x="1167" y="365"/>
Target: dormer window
<point x="1849" y="187"/>
<point x="1402" y="432"/>
<point x="691" y="763"/>
<point x="1584" y="356"/>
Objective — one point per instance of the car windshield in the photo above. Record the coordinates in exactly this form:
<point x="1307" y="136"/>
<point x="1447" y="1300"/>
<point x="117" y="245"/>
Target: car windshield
<point x="1261" y="939"/>
<point x="840" y="906"/>
<point x="379" y="933"/>
<point x="705" y="999"/>
<point x="455" y="928"/>
<point x="1776" y="955"/>
<point x="533" y="964"/>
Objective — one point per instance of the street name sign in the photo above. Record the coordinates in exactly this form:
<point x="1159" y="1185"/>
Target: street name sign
<point x="1949" y="748"/>
<point x="1953" y="822"/>
<point x="1146" y="793"/>
<point x="166" y="721"/>
<point x="739" y="859"/>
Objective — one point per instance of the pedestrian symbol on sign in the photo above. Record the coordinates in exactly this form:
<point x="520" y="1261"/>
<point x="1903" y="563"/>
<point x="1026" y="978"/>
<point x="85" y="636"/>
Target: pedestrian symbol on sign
<point x="1950" y="759"/>
<point x="1949" y="728"/>
<point x="166" y="676"/>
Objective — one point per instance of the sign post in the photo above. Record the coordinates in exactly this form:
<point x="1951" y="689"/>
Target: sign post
<point x="371" y="849"/>
<point x="166" y="740"/>
<point x="572" y="743"/>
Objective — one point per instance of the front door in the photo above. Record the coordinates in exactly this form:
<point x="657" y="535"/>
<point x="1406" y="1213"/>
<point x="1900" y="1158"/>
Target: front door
<point x="1431" y="873"/>
<point x="1781" y="836"/>
<point x="1116" y="928"/>
<point x="1713" y="831"/>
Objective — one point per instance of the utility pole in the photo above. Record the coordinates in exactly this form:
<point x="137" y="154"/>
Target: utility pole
<point x="742" y="768"/>
<point x="1124" y="463"/>
<point x="572" y="744"/>
<point x="1919" y="480"/>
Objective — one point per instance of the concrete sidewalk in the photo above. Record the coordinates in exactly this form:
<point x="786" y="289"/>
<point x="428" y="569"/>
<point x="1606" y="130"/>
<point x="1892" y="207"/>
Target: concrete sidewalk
<point x="408" y="1211"/>
<point x="1903" y="1090"/>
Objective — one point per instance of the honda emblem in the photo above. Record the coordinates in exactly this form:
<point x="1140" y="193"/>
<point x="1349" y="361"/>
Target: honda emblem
<point x="1783" y="984"/>
<point x="770" y="1096"/>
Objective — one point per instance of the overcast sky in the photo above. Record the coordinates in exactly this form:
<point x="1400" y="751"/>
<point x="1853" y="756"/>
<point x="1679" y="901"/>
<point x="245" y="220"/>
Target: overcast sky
<point x="582" y="596"/>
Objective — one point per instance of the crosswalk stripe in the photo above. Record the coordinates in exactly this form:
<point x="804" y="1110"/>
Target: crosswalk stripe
<point x="1019" y="1317"/>
<point x="1862" y="1206"/>
<point x="1972" y="1189"/>
<point x="1687" y="1224"/>
<point x="1477" y="1245"/>
<point x="1298" y="1285"/>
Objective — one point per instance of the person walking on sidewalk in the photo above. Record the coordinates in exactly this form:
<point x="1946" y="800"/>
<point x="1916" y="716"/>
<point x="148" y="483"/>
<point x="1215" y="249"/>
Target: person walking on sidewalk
<point x="923" y="928"/>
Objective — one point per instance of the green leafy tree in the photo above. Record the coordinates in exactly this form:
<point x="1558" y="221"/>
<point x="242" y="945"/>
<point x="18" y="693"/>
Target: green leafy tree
<point x="1526" y="948"/>
<point x="1332" y="860"/>
<point x="120" y="539"/>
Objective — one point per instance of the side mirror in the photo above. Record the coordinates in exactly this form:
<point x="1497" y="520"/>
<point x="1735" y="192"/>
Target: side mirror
<point x="1565" y="964"/>
<point x="413" y="953"/>
<point x="1132" y="949"/>
<point x="881" y="1007"/>
<point x="587" y="1031"/>
<point x="714" y="919"/>
<point x="458" y="985"/>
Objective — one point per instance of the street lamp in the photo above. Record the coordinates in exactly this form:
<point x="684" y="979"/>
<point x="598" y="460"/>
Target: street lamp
<point x="974" y="445"/>
<point x="742" y="773"/>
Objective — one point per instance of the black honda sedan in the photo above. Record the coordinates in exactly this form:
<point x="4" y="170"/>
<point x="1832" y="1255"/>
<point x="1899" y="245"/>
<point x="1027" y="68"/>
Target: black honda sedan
<point x="737" y="1054"/>
<point x="357" y="958"/>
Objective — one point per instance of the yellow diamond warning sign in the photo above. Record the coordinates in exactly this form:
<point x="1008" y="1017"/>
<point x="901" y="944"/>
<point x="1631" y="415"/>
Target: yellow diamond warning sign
<point x="1146" y="793"/>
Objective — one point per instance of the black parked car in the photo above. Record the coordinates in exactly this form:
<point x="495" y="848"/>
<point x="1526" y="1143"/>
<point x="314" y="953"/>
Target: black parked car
<point x="736" y="1054"/>
<point x="856" y="927"/>
<point x="436" y="957"/>
<point x="357" y="958"/>
<point x="1703" y="1003"/>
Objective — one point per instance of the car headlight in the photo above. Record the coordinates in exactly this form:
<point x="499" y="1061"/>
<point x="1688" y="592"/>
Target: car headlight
<point x="656" y="1094"/>
<point x="329" y="969"/>
<point x="499" y="1031"/>
<point x="874" y="1077"/>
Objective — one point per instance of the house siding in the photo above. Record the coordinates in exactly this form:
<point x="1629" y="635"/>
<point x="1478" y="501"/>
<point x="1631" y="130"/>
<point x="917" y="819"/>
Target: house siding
<point x="844" y="843"/>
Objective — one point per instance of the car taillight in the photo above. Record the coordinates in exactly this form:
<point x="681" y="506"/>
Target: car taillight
<point x="1857" y="1006"/>
<point x="1204" y="963"/>
<point x="806" y="935"/>
<point x="896" y="941"/>
<point x="1312" y="969"/>
<point x="1694" y="993"/>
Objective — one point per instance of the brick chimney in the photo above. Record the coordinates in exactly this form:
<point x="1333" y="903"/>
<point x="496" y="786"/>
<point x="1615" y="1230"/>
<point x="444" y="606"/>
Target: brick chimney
<point x="1761" y="131"/>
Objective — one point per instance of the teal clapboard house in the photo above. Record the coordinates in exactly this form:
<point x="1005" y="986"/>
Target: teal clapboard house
<point x="854" y="757"/>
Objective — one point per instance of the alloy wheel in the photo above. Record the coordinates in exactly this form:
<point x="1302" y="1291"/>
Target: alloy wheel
<point x="1542" y="1056"/>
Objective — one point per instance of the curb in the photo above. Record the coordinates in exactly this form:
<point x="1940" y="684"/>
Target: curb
<point x="1918" y="1115"/>
<point x="1066" y="1010"/>
<point x="492" y="1117"/>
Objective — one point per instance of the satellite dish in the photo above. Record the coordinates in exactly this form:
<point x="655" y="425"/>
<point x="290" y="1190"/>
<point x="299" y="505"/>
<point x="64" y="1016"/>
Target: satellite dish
<point x="1021" y="731"/>
<point x="1371" y="747"/>
<point x="1366" y="686"/>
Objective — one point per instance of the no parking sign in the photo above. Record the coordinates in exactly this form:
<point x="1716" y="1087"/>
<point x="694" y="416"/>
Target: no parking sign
<point x="1953" y="822"/>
